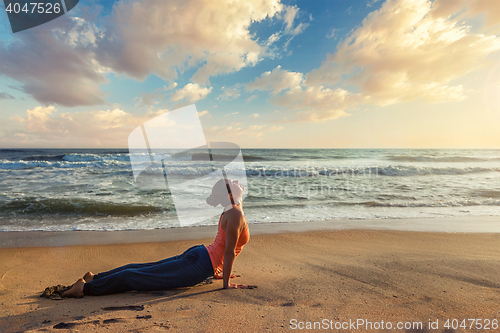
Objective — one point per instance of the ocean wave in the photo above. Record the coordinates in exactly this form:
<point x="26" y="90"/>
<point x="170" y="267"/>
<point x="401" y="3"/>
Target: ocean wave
<point x="486" y="193"/>
<point x="295" y="157"/>
<point x="146" y="157"/>
<point x="394" y="171"/>
<point x="401" y="203"/>
<point x="452" y="159"/>
<point x="75" y="206"/>
<point x="251" y="156"/>
<point x="378" y="203"/>
<point x="119" y="157"/>
<point x="192" y="168"/>
<point x="48" y="158"/>
<point x="450" y="203"/>
<point x="422" y="171"/>
<point x="222" y="157"/>
<point x="100" y="158"/>
<point x="8" y="150"/>
<point x="20" y="165"/>
<point x="82" y="158"/>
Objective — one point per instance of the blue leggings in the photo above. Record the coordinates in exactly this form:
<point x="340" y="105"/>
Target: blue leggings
<point x="187" y="269"/>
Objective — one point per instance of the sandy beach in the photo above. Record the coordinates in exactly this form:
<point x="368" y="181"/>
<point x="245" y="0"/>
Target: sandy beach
<point x="333" y="278"/>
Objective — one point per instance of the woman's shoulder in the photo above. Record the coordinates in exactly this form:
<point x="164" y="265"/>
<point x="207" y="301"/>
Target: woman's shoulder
<point x="234" y="212"/>
<point x="233" y="216"/>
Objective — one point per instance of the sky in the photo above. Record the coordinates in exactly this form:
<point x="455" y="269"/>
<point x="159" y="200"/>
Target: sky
<point x="262" y="73"/>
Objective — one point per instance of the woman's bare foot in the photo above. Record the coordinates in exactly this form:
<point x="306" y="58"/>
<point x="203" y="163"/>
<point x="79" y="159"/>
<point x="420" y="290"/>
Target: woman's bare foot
<point x="76" y="290"/>
<point x="89" y="276"/>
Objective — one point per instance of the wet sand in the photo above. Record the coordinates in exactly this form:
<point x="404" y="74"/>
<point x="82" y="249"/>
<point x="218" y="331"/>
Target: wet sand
<point x="331" y="277"/>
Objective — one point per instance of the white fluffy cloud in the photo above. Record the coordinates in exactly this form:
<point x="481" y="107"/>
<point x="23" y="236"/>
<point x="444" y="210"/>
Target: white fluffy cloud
<point x="445" y="8"/>
<point x="315" y="103"/>
<point x="289" y="16"/>
<point x="277" y="80"/>
<point x="403" y="52"/>
<point x="237" y="132"/>
<point x="229" y="93"/>
<point x="163" y="37"/>
<point x="65" y="61"/>
<point x="406" y="50"/>
<point x="57" y="67"/>
<point x="191" y="92"/>
<point x="490" y="9"/>
<point x="36" y="119"/>
<point x="97" y="128"/>
<point x="202" y="113"/>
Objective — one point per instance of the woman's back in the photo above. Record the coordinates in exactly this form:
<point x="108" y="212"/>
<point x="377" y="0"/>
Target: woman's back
<point x="217" y="248"/>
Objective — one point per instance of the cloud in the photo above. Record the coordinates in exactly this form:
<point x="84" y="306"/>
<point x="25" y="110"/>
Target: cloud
<point x="191" y="92"/>
<point x="171" y="86"/>
<point x="490" y="9"/>
<point x="332" y="33"/>
<point x="277" y="80"/>
<point x="230" y="93"/>
<point x="290" y="13"/>
<point x="97" y="128"/>
<point x="445" y="8"/>
<point x="255" y="115"/>
<point x="403" y="52"/>
<point x="251" y="98"/>
<point x="57" y="67"/>
<point x="163" y="37"/>
<point x="36" y="119"/>
<point x="315" y="103"/>
<point x="67" y="61"/>
<point x="370" y="3"/>
<point x="250" y="133"/>
<point x="4" y="95"/>
<point x="202" y="113"/>
<point x="152" y="98"/>
<point x="469" y="8"/>
<point x="156" y="96"/>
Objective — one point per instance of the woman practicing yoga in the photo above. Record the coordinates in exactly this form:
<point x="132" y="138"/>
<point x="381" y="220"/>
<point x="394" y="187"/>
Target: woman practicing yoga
<point x="191" y="267"/>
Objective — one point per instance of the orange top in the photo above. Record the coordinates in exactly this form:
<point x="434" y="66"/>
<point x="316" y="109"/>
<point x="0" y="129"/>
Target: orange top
<point x="217" y="248"/>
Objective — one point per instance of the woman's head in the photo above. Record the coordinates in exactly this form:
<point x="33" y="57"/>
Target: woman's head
<point x="226" y="192"/>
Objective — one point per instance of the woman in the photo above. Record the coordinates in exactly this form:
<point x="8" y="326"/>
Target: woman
<point x="191" y="267"/>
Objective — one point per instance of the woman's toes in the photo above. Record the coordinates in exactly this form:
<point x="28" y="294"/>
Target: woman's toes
<point x="76" y="290"/>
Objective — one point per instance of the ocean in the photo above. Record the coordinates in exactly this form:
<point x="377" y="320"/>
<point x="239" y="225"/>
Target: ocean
<point x="94" y="189"/>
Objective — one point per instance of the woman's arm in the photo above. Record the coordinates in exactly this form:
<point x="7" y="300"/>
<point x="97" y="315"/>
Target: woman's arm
<point x="219" y="276"/>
